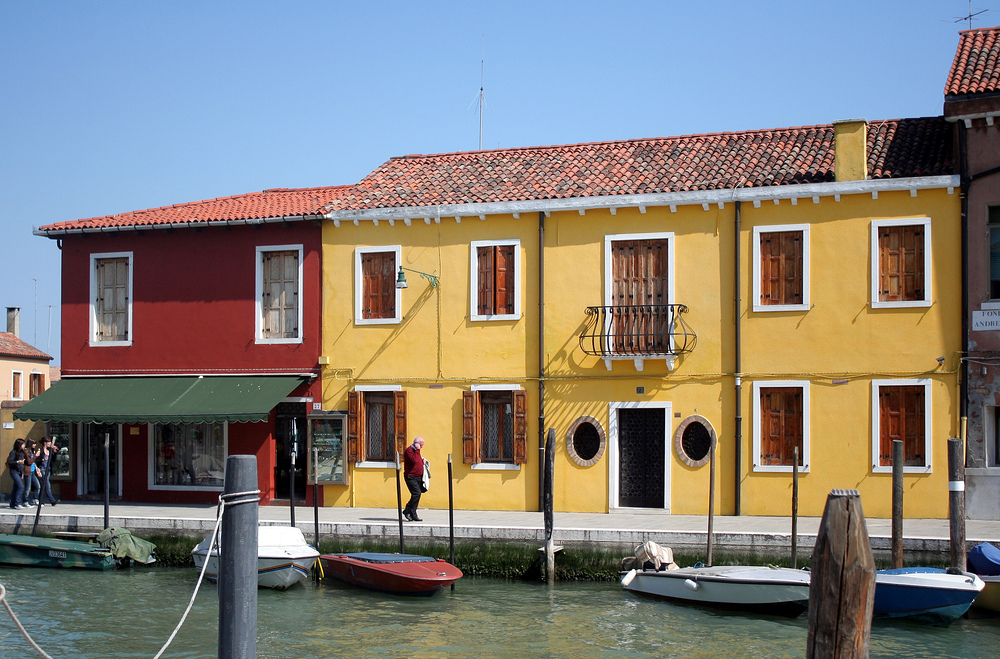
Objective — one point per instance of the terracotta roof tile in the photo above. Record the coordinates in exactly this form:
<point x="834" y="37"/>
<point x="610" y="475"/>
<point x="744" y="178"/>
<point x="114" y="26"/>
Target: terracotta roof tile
<point x="12" y="346"/>
<point x="279" y="202"/>
<point x="787" y="156"/>
<point x="975" y="68"/>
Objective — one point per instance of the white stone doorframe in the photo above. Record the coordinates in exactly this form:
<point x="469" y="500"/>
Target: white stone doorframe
<point x="613" y="458"/>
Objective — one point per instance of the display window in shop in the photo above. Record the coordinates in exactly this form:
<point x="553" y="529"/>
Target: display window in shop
<point x="189" y="455"/>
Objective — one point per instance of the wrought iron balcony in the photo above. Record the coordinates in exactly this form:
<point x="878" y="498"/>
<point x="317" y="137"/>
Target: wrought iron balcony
<point x="648" y="331"/>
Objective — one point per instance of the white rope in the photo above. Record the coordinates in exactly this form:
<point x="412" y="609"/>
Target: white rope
<point x="248" y="497"/>
<point x="24" y="632"/>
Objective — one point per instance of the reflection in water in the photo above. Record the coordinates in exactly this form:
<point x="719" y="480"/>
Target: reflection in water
<point x="132" y="612"/>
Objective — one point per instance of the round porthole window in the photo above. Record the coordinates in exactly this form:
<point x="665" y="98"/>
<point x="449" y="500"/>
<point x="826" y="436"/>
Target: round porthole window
<point x="694" y="439"/>
<point x="586" y="441"/>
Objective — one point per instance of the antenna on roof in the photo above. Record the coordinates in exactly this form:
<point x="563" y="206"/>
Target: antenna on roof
<point x="970" y="15"/>
<point x="481" y="97"/>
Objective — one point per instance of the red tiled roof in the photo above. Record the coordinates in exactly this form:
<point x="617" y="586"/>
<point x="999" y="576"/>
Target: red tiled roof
<point x="787" y="156"/>
<point x="281" y="202"/>
<point x="12" y="346"/>
<point x="975" y="69"/>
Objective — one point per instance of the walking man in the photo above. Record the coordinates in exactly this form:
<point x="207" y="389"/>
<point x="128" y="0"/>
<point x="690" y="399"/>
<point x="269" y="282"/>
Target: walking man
<point x="413" y="471"/>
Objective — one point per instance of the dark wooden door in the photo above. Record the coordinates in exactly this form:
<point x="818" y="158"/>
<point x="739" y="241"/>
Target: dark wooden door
<point x="641" y="455"/>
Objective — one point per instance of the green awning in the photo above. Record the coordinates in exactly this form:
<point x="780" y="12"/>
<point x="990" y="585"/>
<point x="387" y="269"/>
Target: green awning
<point x="205" y="399"/>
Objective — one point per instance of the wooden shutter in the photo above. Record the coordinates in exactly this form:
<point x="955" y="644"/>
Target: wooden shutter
<point x="639" y="279"/>
<point x="485" y="259"/>
<point x="399" y="402"/>
<point x="354" y="425"/>
<point x="520" y="427"/>
<point x="112" y="300"/>
<point x="280" y="295"/>
<point x="901" y="416"/>
<point x="378" y="285"/>
<point x="781" y="267"/>
<point x="901" y="263"/>
<point x="781" y="425"/>
<point x="505" y="279"/>
<point x="470" y="429"/>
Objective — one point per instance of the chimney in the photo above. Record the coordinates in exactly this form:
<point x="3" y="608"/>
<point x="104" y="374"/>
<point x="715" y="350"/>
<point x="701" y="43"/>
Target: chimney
<point x="850" y="149"/>
<point x="14" y="321"/>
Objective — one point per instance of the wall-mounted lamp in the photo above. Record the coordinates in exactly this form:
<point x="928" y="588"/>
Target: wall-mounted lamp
<point x="401" y="278"/>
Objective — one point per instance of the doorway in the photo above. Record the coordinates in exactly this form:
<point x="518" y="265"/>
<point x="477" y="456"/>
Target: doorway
<point x="94" y="463"/>
<point x="290" y="432"/>
<point x="640" y="470"/>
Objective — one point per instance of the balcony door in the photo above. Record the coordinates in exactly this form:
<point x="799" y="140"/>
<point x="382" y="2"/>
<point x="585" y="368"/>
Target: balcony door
<point x="640" y="293"/>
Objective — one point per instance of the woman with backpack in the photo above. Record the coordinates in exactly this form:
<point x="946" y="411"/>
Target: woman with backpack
<point x="15" y="464"/>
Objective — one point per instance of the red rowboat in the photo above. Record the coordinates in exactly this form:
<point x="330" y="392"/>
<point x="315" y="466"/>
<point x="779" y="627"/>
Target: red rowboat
<point x="404" y="574"/>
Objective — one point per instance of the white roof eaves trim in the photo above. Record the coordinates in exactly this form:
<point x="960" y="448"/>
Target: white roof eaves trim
<point x="696" y="197"/>
<point x="55" y="233"/>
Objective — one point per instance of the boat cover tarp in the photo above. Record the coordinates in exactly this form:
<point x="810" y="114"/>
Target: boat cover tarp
<point x="984" y="559"/>
<point x="123" y="544"/>
<point x="195" y="399"/>
<point x="376" y="557"/>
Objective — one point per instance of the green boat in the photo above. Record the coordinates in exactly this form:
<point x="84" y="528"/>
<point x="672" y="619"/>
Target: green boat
<point x="30" y="551"/>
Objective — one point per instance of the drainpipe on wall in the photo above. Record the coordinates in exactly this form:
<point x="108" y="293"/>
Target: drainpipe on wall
<point x="963" y="385"/>
<point x="541" y="359"/>
<point x="737" y="368"/>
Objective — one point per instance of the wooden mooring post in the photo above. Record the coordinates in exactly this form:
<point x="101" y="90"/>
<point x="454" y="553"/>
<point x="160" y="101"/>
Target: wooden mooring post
<point x="795" y="507"/>
<point x="956" y="502"/>
<point x="548" y="474"/>
<point x="238" y="560"/>
<point x="897" y="503"/>
<point x="842" y="588"/>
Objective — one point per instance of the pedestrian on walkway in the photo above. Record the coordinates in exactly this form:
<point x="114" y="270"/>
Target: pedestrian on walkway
<point x="413" y="471"/>
<point x="15" y="464"/>
<point x="32" y="486"/>
<point x="44" y="462"/>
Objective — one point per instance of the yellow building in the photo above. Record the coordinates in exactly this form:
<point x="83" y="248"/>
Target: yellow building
<point x="645" y="300"/>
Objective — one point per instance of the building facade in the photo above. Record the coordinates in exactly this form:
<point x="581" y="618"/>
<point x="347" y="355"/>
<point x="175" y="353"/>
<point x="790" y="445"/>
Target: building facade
<point x="189" y="333"/>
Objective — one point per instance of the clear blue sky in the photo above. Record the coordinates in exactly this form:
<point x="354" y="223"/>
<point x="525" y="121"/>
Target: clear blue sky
<point x="108" y="107"/>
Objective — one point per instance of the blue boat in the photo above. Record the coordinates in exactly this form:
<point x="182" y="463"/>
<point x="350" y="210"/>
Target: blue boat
<point x="925" y="593"/>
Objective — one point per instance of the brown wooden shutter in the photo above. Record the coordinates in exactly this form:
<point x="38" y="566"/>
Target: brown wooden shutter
<point x="781" y="425"/>
<point x="486" y="284"/>
<point x="470" y="431"/>
<point x="353" y="426"/>
<point x="505" y="279"/>
<point x="901" y="263"/>
<point x="781" y="267"/>
<point x="378" y="285"/>
<point x="399" y="401"/>
<point x="520" y="427"/>
<point x="901" y="416"/>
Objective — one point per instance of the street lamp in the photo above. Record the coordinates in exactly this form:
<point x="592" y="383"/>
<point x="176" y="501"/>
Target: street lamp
<point x="401" y="278"/>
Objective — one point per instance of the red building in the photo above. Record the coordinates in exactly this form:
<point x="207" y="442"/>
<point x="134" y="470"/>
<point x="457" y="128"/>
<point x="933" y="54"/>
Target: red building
<point x="189" y="333"/>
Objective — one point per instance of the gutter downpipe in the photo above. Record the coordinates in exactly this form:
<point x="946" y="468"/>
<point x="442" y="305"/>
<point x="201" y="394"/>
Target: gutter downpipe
<point x="737" y="367"/>
<point x="541" y="360"/>
<point x="963" y="386"/>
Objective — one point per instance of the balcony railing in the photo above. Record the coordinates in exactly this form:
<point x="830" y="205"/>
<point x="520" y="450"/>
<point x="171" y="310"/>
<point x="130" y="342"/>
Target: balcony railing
<point x="649" y="331"/>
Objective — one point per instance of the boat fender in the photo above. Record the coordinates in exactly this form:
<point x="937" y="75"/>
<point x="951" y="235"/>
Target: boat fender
<point x="692" y="584"/>
<point x="629" y="576"/>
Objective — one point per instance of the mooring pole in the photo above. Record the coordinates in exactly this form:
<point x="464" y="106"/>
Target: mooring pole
<point x="316" y="495"/>
<point x="451" y="519"/>
<point x="711" y="502"/>
<point x="842" y="588"/>
<point x="238" y="560"/>
<point x="795" y="507"/>
<point x="898" y="461"/>
<point x="399" y="506"/>
<point x="107" y="480"/>
<point x="550" y="552"/>
<point x="956" y="502"/>
<point x="291" y="474"/>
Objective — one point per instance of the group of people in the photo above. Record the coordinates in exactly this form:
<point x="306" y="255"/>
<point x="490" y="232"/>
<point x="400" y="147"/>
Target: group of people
<point x="30" y="467"/>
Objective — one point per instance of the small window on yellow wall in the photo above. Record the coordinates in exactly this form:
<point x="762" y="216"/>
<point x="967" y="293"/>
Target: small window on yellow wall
<point x="494" y="423"/>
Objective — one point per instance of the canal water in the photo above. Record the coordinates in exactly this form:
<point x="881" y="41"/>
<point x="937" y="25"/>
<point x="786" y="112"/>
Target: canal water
<point x="131" y="613"/>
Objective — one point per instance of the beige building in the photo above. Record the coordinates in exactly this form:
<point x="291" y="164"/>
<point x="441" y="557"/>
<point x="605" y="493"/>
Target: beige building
<point x="24" y="373"/>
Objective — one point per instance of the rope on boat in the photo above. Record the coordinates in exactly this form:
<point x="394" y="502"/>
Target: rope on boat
<point x="231" y="499"/>
<point x="24" y="632"/>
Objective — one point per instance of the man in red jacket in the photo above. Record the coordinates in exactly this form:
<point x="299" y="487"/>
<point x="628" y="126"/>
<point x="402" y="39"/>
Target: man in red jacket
<point x="413" y="471"/>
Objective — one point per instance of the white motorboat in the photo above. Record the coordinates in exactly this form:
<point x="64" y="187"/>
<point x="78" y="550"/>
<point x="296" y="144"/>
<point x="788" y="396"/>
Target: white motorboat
<point x="284" y="558"/>
<point x="753" y="588"/>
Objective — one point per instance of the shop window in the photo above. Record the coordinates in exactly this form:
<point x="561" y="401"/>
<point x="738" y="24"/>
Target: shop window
<point x="189" y="455"/>
<point x="64" y="457"/>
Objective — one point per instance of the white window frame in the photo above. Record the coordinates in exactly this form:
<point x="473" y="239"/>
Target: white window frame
<point x="359" y="286"/>
<point x="990" y="458"/>
<point x="780" y="228"/>
<point x="613" y="457"/>
<point x="95" y="342"/>
<point x="495" y="466"/>
<point x="474" y="280"/>
<point x="150" y="466"/>
<point x="382" y="388"/>
<point x="925" y="222"/>
<point x="20" y="393"/>
<point x="928" y="424"/>
<point x="802" y="385"/>
<point x="259" y="293"/>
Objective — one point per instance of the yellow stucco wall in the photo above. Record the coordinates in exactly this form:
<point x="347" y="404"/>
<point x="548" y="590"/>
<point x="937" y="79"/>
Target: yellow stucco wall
<point x="436" y="352"/>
